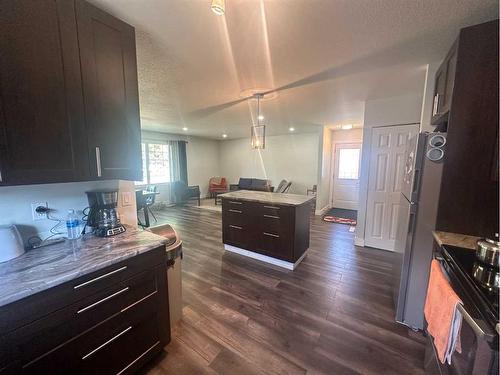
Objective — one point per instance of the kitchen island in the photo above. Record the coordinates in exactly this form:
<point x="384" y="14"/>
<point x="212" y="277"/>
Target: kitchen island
<point x="92" y="305"/>
<point x="271" y="227"/>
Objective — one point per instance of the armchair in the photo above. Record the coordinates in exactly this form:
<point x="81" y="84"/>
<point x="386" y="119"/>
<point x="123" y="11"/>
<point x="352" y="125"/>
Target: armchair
<point x="217" y="185"/>
<point x="182" y="193"/>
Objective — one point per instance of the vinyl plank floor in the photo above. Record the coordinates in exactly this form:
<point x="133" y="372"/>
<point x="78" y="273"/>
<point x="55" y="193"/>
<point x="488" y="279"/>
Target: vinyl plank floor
<point x="332" y="315"/>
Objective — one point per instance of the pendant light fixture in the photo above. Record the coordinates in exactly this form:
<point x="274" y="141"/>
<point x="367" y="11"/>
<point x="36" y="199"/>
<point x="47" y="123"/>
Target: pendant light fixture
<point x="258" y="132"/>
<point x="218" y="7"/>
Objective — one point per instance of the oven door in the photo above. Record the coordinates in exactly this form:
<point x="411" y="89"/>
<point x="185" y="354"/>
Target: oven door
<point x="477" y="340"/>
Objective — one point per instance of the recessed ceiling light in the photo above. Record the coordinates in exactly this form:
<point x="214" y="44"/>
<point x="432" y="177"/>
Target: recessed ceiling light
<point x="218" y="7"/>
<point x="224" y="135"/>
<point x="346" y="126"/>
<point x="291" y="129"/>
<point x="185" y="129"/>
<point x="261" y="117"/>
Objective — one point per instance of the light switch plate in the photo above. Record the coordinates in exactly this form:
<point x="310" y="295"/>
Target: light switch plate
<point x="126" y="198"/>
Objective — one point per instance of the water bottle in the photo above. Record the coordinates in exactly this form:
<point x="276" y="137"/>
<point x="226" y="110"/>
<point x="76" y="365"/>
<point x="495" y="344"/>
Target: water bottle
<point x="72" y="225"/>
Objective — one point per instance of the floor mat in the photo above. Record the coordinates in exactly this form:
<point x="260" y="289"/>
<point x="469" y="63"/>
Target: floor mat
<point x="341" y="216"/>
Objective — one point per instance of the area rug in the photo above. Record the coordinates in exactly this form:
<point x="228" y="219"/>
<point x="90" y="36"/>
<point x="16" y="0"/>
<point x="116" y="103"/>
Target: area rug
<point x="341" y="216"/>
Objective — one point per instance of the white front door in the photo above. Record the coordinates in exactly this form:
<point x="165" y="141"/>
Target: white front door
<point x="346" y="176"/>
<point x="387" y="161"/>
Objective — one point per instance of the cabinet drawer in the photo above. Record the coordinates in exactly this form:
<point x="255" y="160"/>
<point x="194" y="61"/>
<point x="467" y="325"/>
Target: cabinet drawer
<point x="273" y="210"/>
<point x="237" y="235"/>
<point x="55" y="329"/>
<point x="275" y="245"/>
<point x="35" y="307"/>
<point x="107" y="348"/>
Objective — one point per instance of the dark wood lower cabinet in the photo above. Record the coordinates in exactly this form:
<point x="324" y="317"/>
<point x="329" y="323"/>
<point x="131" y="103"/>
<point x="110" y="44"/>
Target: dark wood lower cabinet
<point x="114" y="330"/>
<point x="275" y="230"/>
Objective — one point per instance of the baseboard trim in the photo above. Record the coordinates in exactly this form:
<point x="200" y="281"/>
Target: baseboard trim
<point x="322" y="211"/>
<point x="264" y="258"/>
<point x="359" y="241"/>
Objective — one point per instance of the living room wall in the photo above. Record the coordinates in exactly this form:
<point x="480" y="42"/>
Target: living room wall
<point x="291" y="157"/>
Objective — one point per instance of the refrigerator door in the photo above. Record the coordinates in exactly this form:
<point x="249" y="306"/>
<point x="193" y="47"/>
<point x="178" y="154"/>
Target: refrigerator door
<point x="414" y="155"/>
<point x="403" y="255"/>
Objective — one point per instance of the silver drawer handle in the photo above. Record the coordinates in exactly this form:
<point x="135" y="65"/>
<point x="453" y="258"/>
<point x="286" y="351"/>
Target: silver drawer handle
<point x="236" y="211"/>
<point x="100" y="277"/>
<point x="103" y="300"/>
<point x="138" y="358"/>
<point x="98" y="161"/>
<point x="272" y="207"/>
<point x="139" y="301"/>
<point x="107" y="342"/>
<point x="234" y="202"/>
<point x="270" y="234"/>
<point x="235" y="227"/>
<point x="272" y="216"/>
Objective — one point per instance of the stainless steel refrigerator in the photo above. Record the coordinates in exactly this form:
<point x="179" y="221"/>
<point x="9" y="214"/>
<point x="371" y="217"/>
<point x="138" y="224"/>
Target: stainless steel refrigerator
<point x="414" y="241"/>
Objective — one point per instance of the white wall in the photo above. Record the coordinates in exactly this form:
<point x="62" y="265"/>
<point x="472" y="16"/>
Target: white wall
<point x="291" y="157"/>
<point x="202" y="159"/>
<point x="15" y="204"/>
<point x="382" y="112"/>
<point x="324" y="172"/>
<point x="202" y="162"/>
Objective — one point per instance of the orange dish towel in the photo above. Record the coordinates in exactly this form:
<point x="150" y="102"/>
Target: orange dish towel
<point x="443" y="318"/>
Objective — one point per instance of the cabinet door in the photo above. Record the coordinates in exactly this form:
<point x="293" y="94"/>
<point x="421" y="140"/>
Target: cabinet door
<point x="451" y="63"/>
<point x="42" y="130"/>
<point x="109" y="73"/>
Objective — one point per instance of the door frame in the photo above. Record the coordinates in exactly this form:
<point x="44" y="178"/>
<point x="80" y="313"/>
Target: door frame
<point x="334" y="160"/>
<point x="333" y="163"/>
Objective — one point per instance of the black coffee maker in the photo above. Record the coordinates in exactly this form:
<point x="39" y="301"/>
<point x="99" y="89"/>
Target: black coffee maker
<point x="102" y="216"/>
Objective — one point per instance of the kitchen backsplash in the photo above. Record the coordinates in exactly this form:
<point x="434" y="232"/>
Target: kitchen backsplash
<point x="15" y="204"/>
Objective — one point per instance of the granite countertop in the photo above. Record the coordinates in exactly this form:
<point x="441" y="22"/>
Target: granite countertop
<point x="267" y="197"/>
<point x="455" y="239"/>
<point x="47" y="267"/>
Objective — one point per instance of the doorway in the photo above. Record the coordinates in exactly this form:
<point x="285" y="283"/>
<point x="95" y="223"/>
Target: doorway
<point x="387" y="162"/>
<point x="345" y="192"/>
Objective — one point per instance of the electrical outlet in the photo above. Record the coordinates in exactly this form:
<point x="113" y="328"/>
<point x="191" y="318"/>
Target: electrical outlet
<point x="36" y="215"/>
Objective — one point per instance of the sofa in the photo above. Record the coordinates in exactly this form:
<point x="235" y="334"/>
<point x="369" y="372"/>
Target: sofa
<point x="255" y="184"/>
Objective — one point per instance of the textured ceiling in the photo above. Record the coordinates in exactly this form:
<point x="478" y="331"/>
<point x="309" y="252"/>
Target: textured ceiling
<point x="328" y="56"/>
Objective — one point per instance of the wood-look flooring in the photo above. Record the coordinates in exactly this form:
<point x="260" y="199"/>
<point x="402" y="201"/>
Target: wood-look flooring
<point x="332" y="315"/>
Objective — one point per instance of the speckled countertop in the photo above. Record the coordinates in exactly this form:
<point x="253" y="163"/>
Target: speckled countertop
<point x="266" y="197"/>
<point x="455" y="239"/>
<point x="47" y="267"/>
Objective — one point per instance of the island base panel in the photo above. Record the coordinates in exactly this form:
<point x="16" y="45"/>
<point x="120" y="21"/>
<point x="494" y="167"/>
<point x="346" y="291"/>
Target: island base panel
<point x="264" y="258"/>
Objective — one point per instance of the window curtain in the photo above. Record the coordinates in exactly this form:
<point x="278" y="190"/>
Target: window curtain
<point x="178" y="165"/>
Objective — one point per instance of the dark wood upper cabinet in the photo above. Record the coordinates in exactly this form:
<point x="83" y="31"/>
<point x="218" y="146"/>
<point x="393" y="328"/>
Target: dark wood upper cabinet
<point x="42" y="129"/>
<point x="68" y="87"/>
<point x="469" y="197"/>
<point x="443" y="87"/>
<point x="109" y="74"/>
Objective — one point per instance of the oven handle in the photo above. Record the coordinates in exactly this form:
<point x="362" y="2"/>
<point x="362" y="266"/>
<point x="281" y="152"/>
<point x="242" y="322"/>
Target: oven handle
<point x="481" y="332"/>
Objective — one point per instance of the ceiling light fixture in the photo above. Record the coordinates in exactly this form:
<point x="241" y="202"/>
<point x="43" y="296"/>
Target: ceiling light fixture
<point x="291" y="129"/>
<point x="185" y="129"/>
<point x="258" y="132"/>
<point x="218" y="7"/>
<point x="224" y="135"/>
<point x="261" y="117"/>
<point x="346" y="127"/>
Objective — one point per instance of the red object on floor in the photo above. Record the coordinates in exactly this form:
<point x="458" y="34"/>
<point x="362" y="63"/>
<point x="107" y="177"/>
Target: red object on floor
<point x="339" y="220"/>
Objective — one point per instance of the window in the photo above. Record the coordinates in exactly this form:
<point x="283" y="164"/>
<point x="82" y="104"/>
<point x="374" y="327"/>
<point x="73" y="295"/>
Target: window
<point x="155" y="163"/>
<point x="349" y="163"/>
